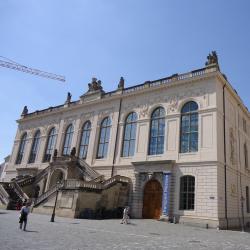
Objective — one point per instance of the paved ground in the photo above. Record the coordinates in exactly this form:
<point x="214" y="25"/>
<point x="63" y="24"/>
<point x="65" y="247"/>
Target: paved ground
<point x="72" y="234"/>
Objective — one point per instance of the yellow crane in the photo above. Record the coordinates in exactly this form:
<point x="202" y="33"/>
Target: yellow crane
<point x="7" y="63"/>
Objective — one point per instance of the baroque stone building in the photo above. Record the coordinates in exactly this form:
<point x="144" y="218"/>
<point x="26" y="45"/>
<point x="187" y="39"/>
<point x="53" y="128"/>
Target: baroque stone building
<point x="174" y="148"/>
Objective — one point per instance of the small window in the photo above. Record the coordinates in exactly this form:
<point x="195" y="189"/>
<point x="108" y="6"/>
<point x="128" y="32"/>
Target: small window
<point x="247" y="200"/>
<point x="129" y="135"/>
<point x="246" y="156"/>
<point x="104" y="138"/>
<point x="68" y="140"/>
<point x="244" y="125"/>
<point x="21" y="149"/>
<point x="187" y="192"/>
<point x="34" y="148"/>
<point x="83" y="150"/>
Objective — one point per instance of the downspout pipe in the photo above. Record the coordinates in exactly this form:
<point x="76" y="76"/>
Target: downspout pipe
<point x="116" y="138"/>
<point x="225" y="157"/>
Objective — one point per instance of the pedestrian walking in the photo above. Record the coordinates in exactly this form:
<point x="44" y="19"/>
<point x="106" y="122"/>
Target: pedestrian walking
<point x="125" y="218"/>
<point x="24" y="216"/>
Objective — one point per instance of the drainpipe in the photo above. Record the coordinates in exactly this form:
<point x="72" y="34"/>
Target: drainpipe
<point x="241" y="192"/>
<point x="116" y="138"/>
<point x="225" y="157"/>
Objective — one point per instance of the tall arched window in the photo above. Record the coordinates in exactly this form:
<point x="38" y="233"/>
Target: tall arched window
<point x="187" y="192"/>
<point x="50" y="145"/>
<point x="104" y="138"/>
<point x="68" y="140"/>
<point x="245" y="155"/>
<point x="34" y="148"/>
<point x="157" y="131"/>
<point x="85" y="140"/>
<point x="129" y="136"/>
<point x="21" y="148"/>
<point x="189" y="128"/>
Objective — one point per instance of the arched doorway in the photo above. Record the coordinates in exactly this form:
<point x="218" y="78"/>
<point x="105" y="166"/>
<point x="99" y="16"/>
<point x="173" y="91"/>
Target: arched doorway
<point x="57" y="176"/>
<point x="152" y="200"/>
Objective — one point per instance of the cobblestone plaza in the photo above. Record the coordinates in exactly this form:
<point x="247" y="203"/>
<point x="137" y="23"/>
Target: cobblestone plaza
<point x="73" y="234"/>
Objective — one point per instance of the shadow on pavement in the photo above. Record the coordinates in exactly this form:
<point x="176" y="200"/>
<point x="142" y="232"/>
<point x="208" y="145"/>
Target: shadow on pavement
<point x="30" y="231"/>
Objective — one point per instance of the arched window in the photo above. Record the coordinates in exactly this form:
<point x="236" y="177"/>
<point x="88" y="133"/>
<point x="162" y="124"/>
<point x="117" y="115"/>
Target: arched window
<point x="245" y="155"/>
<point x="21" y="149"/>
<point x="187" y="192"/>
<point x="157" y="131"/>
<point x="50" y="145"/>
<point x="68" y="140"/>
<point x="85" y="140"/>
<point x="104" y="138"/>
<point x="34" y="148"/>
<point x="129" y="136"/>
<point x="189" y="128"/>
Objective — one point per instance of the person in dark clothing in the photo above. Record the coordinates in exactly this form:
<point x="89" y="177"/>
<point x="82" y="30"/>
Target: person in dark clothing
<point x="24" y="216"/>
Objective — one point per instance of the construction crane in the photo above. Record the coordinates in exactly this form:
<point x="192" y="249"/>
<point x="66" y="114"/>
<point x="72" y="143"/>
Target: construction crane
<point x="7" y="63"/>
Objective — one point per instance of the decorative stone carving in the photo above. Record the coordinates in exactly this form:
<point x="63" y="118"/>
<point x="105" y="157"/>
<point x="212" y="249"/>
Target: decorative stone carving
<point x="25" y="111"/>
<point x="68" y="100"/>
<point x="73" y="151"/>
<point x="95" y="85"/>
<point x="212" y="58"/>
<point x="173" y="104"/>
<point x="144" y="111"/>
<point x="121" y="83"/>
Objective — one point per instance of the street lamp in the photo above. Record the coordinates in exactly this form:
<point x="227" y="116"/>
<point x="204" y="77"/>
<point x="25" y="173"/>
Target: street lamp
<point x="54" y="209"/>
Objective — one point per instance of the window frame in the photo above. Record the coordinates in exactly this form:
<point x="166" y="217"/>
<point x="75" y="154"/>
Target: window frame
<point x="85" y="131"/>
<point x="50" y="145"/>
<point x="245" y="155"/>
<point x="105" y="143"/>
<point x="35" y="147"/>
<point x="132" y="131"/>
<point x="159" y="145"/>
<point x="21" y="149"/>
<point x="69" y="132"/>
<point x="189" y="133"/>
<point x="186" y="196"/>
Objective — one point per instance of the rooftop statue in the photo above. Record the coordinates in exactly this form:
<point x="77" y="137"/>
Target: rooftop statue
<point x="95" y="85"/>
<point x="121" y="83"/>
<point x="212" y="58"/>
<point x="25" y="111"/>
<point x="68" y="100"/>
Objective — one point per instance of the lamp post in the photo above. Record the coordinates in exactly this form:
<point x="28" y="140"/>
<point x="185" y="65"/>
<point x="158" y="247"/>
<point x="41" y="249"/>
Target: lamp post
<point x="54" y="209"/>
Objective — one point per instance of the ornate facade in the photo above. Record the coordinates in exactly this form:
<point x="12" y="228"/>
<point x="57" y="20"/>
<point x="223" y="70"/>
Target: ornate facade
<point x="182" y="143"/>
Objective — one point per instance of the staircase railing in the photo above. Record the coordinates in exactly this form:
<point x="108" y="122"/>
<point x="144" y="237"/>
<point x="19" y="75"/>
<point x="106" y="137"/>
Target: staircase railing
<point x="48" y="193"/>
<point x="73" y="183"/>
<point x="4" y="196"/>
<point x="86" y="168"/>
<point x="22" y="195"/>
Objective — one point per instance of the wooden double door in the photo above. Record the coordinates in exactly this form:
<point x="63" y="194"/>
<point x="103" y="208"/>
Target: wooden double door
<point x="152" y="200"/>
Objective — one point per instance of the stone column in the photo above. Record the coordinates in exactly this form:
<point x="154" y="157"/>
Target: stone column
<point x="166" y="195"/>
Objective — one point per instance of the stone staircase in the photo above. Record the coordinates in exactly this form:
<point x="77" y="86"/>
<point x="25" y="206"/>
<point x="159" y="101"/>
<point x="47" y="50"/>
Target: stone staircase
<point x="83" y="185"/>
<point x="12" y="194"/>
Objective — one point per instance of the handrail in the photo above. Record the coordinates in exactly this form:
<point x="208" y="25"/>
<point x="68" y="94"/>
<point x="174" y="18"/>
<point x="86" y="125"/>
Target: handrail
<point x="19" y="191"/>
<point x="4" y="196"/>
<point x="48" y="193"/>
<point x="73" y="183"/>
<point x="86" y="168"/>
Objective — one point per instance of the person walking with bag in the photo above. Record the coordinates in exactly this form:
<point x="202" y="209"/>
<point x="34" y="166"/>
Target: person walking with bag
<point x="24" y="216"/>
<point x="125" y="217"/>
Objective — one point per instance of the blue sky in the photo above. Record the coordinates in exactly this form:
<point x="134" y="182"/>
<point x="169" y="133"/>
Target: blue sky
<point x="138" y="39"/>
